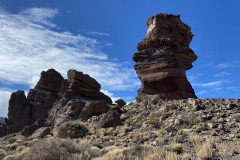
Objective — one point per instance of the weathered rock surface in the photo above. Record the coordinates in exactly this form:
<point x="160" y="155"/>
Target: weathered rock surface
<point x="53" y="101"/>
<point x="80" y="98"/>
<point x="2" y="120"/>
<point x="163" y="57"/>
<point x="41" y="132"/>
<point x="111" y="118"/>
<point x="120" y="102"/>
<point x="19" y="111"/>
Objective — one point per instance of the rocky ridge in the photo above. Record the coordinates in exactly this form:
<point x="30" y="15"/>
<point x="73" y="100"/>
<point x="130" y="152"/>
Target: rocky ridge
<point x="55" y="100"/>
<point x="163" y="57"/>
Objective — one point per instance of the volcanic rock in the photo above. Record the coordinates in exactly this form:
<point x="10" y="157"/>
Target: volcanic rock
<point x="53" y="101"/>
<point x="45" y="93"/>
<point x="111" y="118"/>
<point x="163" y="57"/>
<point x="120" y="102"/>
<point x="41" y="132"/>
<point x="19" y="111"/>
<point x="80" y="98"/>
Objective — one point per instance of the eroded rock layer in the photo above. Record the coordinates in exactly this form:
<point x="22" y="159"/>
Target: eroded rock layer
<point x="53" y="101"/>
<point x="163" y="57"/>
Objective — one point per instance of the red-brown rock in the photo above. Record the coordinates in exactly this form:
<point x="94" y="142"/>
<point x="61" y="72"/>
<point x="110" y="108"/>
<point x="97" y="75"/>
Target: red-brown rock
<point x="163" y="57"/>
<point x="111" y="118"/>
<point x="53" y="101"/>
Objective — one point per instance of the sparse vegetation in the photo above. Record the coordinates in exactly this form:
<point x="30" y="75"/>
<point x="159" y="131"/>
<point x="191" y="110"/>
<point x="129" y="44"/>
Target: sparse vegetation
<point x="12" y="140"/>
<point x="72" y="129"/>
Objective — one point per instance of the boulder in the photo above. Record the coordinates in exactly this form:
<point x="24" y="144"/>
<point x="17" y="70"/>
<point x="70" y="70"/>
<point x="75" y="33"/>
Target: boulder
<point x="41" y="132"/>
<point x="120" y="102"/>
<point x="163" y="57"/>
<point x="111" y="118"/>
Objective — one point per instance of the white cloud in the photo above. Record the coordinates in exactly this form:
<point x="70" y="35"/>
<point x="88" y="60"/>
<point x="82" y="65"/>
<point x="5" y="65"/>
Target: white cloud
<point x="201" y="92"/>
<point x="29" y="45"/>
<point x="212" y="84"/>
<point x="110" y="95"/>
<point x="227" y="65"/>
<point x="222" y="74"/>
<point x="99" y="34"/>
<point x="4" y="98"/>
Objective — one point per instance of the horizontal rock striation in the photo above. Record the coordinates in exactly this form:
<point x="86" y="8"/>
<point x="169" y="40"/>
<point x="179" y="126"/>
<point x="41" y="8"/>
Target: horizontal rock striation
<point x="163" y="57"/>
<point x="53" y="101"/>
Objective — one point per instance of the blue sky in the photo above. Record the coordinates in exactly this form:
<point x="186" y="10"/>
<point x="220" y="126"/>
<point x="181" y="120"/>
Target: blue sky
<point x="100" y="38"/>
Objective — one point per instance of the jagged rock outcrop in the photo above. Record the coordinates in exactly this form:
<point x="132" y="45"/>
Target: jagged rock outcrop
<point x="45" y="93"/>
<point x="163" y="57"/>
<point x="19" y="111"/>
<point x="80" y="98"/>
<point x="53" y="101"/>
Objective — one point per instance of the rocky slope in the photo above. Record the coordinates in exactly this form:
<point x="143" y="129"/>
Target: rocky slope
<point x="159" y="129"/>
<point x="163" y="57"/>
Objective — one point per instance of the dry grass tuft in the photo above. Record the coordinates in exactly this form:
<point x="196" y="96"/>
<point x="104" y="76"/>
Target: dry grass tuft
<point x="56" y="149"/>
<point x="204" y="149"/>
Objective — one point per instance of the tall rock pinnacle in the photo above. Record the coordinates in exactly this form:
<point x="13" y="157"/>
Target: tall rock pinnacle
<point x="163" y="57"/>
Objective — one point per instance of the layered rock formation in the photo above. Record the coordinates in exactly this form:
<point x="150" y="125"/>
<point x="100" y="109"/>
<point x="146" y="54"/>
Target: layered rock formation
<point x="163" y="57"/>
<point x="55" y="100"/>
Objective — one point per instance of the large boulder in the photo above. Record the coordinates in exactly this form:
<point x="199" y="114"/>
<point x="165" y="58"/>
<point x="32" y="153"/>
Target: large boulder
<point x="111" y="118"/>
<point x="163" y="57"/>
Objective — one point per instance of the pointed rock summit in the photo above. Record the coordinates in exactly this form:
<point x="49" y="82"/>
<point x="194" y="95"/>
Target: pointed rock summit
<point x="163" y="57"/>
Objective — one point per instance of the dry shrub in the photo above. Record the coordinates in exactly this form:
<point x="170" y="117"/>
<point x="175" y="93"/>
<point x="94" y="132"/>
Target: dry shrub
<point x="9" y="157"/>
<point x="21" y="151"/>
<point x="204" y="149"/>
<point x="56" y="149"/>
<point x="223" y="150"/>
<point x="139" y="153"/>
<point x="2" y="153"/>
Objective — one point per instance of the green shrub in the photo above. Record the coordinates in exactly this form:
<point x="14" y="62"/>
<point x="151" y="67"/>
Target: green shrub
<point x="12" y="140"/>
<point x="72" y="129"/>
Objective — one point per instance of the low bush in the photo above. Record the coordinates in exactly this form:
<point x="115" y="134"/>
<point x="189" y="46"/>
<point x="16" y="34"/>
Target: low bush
<point x="12" y="140"/>
<point x="72" y="129"/>
<point x="56" y="149"/>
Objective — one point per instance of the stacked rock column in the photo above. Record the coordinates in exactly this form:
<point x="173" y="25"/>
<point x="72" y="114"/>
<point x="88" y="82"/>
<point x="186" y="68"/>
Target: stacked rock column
<point x="163" y="57"/>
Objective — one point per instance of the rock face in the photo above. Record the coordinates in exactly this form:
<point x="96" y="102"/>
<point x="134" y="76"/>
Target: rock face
<point x="163" y="57"/>
<point x="111" y="118"/>
<point x="55" y="100"/>
<point x="120" y="102"/>
<point x="2" y="120"/>
<point x="19" y="111"/>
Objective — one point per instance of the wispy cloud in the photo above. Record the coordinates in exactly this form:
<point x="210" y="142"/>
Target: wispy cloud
<point x="30" y="43"/>
<point x="28" y="47"/>
<point x="226" y="65"/>
<point x="99" y="34"/>
<point x="222" y="74"/>
<point x="202" y="92"/>
<point x="212" y="84"/>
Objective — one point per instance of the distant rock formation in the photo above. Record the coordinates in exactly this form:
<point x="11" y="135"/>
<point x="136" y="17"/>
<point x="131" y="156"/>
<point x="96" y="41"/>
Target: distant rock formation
<point x="163" y="57"/>
<point x="2" y="120"/>
<point x="53" y="101"/>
